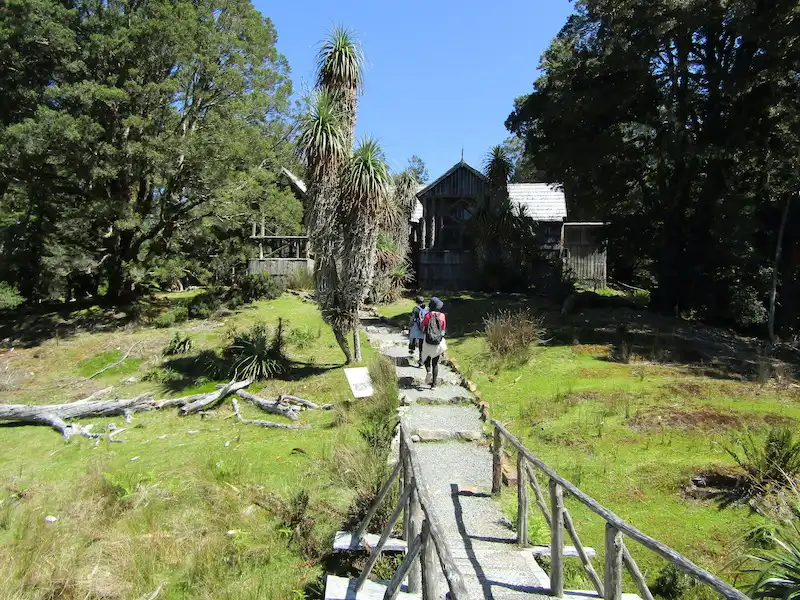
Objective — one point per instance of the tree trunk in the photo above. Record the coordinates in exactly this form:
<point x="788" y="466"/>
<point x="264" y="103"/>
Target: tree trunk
<point x="773" y="293"/>
<point x="357" y="342"/>
<point x="341" y="338"/>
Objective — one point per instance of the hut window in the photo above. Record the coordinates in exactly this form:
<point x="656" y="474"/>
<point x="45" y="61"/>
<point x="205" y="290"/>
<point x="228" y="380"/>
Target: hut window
<point x="454" y="225"/>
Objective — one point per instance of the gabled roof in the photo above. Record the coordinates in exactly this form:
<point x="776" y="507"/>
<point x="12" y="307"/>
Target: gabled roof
<point x="459" y="165"/>
<point x="298" y="183"/>
<point x="541" y="201"/>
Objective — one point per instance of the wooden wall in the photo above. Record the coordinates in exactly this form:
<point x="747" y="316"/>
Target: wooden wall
<point x="279" y="267"/>
<point x="446" y="270"/>
<point x="584" y="257"/>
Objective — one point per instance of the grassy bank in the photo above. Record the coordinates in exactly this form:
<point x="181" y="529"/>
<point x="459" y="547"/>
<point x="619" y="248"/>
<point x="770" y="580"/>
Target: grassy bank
<point x="206" y="506"/>
<point x="630" y="435"/>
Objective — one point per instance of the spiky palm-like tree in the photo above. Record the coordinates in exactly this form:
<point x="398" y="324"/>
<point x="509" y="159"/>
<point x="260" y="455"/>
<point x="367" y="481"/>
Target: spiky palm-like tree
<point x="498" y="168"/>
<point x="340" y="71"/>
<point x="322" y="145"/>
<point x="365" y="197"/>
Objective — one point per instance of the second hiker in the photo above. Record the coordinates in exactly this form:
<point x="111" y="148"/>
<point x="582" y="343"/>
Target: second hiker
<point x="415" y="335"/>
<point x="434" y="325"/>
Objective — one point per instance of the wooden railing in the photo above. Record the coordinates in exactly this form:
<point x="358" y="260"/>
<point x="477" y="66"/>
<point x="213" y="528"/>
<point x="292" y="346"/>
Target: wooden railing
<point x="558" y="518"/>
<point x="428" y="557"/>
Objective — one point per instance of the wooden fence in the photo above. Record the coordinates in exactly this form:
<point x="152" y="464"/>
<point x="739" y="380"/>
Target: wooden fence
<point x="428" y="558"/>
<point x="558" y="518"/>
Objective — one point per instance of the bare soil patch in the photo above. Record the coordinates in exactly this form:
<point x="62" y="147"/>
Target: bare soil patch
<point x="705" y="418"/>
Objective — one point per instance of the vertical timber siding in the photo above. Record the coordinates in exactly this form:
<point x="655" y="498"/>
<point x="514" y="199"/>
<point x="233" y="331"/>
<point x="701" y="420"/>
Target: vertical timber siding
<point x="584" y="257"/>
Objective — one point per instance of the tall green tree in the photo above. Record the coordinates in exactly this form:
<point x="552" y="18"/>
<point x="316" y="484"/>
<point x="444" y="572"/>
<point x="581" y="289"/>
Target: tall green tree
<point x="145" y="122"/>
<point x="677" y="122"/>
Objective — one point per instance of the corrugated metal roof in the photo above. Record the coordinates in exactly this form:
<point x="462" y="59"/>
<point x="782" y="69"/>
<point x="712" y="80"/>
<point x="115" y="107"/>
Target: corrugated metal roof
<point x="542" y="201"/>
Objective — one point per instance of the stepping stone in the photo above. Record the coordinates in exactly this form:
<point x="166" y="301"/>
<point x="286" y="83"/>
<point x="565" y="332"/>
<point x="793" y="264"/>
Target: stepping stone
<point x="445" y="394"/>
<point x="340" y="588"/>
<point x="343" y="540"/>
<point x="455" y="421"/>
<point x="410" y="375"/>
<point x="398" y="354"/>
<point x="443" y="435"/>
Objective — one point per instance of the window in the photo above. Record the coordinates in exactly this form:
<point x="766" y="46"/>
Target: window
<point x="453" y="234"/>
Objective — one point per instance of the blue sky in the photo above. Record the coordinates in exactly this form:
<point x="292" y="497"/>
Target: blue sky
<point x="439" y="75"/>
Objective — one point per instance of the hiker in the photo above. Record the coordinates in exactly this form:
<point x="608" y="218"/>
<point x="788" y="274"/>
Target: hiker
<point x="415" y="335"/>
<point x="434" y="325"/>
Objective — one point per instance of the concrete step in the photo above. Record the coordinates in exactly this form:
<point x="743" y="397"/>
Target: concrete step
<point x="413" y="376"/>
<point x="343" y="541"/>
<point x="441" y="423"/>
<point x="444" y="394"/>
<point x="341" y="588"/>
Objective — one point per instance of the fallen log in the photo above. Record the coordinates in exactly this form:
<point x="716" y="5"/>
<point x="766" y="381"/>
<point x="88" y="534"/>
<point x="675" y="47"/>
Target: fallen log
<point x="214" y="397"/>
<point x="268" y="424"/>
<point x="304" y="402"/>
<point x="56" y="415"/>
<point x="274" y="407"/>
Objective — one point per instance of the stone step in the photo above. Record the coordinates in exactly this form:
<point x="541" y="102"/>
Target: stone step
<point x="439" y="423"/>
<point x="341" y="588"/>
<point x="444" y="394"/>
<point x="413" y="376"/>
<point x="343" y="541"/>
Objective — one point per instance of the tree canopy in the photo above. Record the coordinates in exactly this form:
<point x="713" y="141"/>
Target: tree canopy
<point x="677" y="122"/>
<point x="137" y="140"/>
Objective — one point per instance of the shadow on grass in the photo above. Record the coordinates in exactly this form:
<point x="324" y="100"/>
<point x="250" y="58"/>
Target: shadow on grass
<point x="184" y="372"/>
<point x="705" y="350"/>
<point x="32" y="325"/>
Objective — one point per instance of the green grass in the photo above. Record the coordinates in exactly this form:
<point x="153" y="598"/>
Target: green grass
<point x="207" y="506"/>
<point x="629" y="435"/>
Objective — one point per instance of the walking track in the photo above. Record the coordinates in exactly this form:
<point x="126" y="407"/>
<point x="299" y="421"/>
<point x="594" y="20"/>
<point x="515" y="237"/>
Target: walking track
<point x="457" y="472"/>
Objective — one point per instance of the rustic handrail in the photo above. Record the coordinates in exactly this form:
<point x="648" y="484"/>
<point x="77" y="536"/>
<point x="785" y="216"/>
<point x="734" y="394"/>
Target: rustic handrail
<point x="455" y="580"/>
<point x="615" y="524"/>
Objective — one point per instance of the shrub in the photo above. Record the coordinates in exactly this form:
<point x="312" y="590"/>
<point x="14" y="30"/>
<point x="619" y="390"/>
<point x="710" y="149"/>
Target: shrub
<point x="260" y="287"/>
<point x="378" y="433"/>
<point x="302" y="338"/>
<point x="300" y="279"/>
<point x="258" y="353"/>
<point x="179" y="344"/>
<point x="10" y="297"/>
<point x="672" y="583"/>
<point x="204" y="305"/>
<point x="510" y="333"/>
<point x="173" y="316"/>
<point x="641" y="298"/>
<point x="773" y="463"/>
<point x="779" y="572"/>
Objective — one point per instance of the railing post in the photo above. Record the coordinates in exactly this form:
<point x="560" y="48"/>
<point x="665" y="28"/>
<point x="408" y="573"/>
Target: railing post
<point x="522" y="501"/>
<point x="497" y="462"/>
<point x="415" y="527"/>
<point x="613" y="569"/>
<point x="556" y="539"/>
<point x="430" y="568"/>
<point x="405" y="470"/>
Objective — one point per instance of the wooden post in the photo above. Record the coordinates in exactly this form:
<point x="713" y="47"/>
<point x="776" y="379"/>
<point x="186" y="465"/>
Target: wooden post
<point x="416" y="526"/>
<point x="254" y="229"/>
<point x="260" y="251"/>
<point x="537" y="493"/>
<point x="387" y="531"/>
<point x="522" y="501"/>
<point x="587" y="564"/>
<point x="613" y="570"/>
<point x="636" y="574"/>
<point x="497" y="462"/>
<point x="430" y="567"/>
<point x="362" y="527"/>
<point x="408" y="563"/>
<point x="556" y="539"/>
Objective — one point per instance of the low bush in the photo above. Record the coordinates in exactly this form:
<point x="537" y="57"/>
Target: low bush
<point x="179" y="344"/>
<point x="301" y="279"/>
<point x="641" y="298"/>
<point x="512" y="332"/>
<point x="204" y="305"/>
<point x="773" y="463"/>
<point x="10" y="297"/>
<point x="672" y="583"/>
<point x="302" y="338"/>
<point x="260" y="287"/>
<point x="258" y="353"/>
<point x="778" y="572"/>
<point x="173" y="316"/>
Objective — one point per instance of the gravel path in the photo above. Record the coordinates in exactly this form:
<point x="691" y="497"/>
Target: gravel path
<point x="458" y="476"/>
